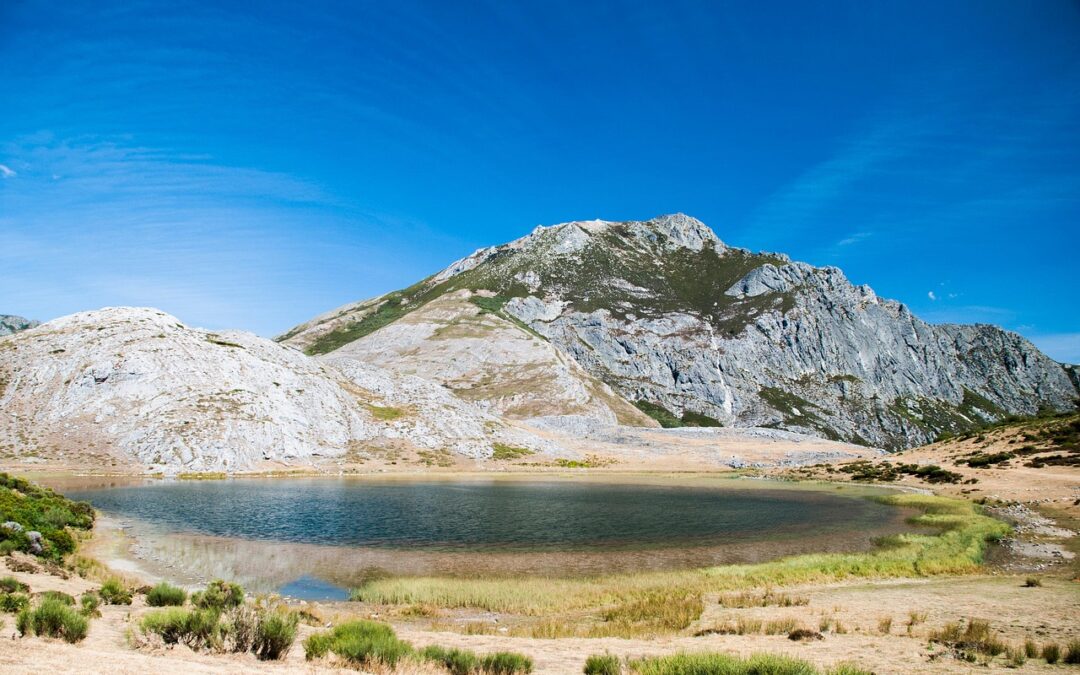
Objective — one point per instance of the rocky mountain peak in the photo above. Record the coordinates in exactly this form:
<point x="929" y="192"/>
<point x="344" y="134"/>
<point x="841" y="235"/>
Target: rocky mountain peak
<point x="10" y="323"/>
<point x="688" y="328"/>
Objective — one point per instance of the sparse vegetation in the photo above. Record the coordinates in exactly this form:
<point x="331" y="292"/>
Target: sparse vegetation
<point x="866" y="471"/>
<point x="725" y="664"/>
<point x="970" y="641"/>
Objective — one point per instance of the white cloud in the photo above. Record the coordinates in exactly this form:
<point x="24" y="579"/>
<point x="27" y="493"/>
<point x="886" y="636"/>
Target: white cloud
<point x="7" y="171"/>
<point x="931" y="295"/>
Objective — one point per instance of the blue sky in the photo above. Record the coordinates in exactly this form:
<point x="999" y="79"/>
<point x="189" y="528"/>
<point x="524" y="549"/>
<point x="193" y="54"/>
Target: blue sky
<point x="254" y="166"/>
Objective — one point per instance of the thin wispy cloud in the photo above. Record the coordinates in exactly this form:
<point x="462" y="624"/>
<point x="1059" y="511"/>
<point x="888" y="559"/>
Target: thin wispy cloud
<point x="7" y="172"/>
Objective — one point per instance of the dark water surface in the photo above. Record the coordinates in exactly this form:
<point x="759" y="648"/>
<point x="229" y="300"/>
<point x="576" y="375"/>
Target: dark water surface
<point x="504" y="516"/>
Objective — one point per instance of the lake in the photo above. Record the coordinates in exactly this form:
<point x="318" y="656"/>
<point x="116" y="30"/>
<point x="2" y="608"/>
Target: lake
<point x="278" y="532"/>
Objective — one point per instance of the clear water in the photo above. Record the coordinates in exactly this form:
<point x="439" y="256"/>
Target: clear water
<point x="497" y="516"/>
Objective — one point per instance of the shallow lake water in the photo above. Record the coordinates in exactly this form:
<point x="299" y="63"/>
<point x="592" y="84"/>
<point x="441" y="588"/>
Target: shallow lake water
<point x="311" y="537"/>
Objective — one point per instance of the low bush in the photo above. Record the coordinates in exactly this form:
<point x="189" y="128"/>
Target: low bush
<point x="1032" y="582"/>
<point x="166" y="595"/>
<point x="274" y="635"/>
<point x="113" y="592"/>
<point x="1031" y="650"/>
<point x="506" y="663"/>
<point x="456" y="661"/>
<point x="53" y="618"/>
<point x="603" y="664"/>
<point x="1072" y="652"/>
<point x="14" y="602"/>
<point x="239" y="627"/>
<point x="197" y="628"/>
<point x="219" y="595"/>
<point x="1051" y="653"/>
<point x="360" y="642"/>
<point x="90" y="603"/>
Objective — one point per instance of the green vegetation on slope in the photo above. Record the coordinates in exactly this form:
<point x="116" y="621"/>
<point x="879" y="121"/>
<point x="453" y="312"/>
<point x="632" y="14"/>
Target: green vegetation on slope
<point x="38" y="509"/>
<point x="668" y="419"/>
<point x="673" y="280"/>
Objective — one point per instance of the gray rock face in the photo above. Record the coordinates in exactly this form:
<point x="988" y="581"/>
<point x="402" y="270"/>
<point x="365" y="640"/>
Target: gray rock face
<point x="13" y="324"/>
<point x="663" y="311"/>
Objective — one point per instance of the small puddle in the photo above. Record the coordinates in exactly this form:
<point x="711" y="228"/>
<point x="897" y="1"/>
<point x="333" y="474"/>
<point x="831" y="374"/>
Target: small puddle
<point x="311" y="588"/>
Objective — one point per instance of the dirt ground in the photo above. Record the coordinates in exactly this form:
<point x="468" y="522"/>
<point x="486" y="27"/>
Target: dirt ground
<point x="1046" y="613"/>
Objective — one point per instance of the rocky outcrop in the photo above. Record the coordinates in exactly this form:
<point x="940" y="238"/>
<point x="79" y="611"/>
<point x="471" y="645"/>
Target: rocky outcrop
<point x="666" y="313"/>
<point x="133" y="387"/>
<point x="13" y="324"/>
<point x="484" y="357"/>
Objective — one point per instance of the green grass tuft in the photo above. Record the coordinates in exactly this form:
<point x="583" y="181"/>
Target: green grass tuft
<point x="166" y="595"/>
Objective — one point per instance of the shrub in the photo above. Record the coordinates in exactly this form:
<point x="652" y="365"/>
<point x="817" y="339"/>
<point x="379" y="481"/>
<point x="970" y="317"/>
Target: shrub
<point x="603" y="664"/>
<point x="456" y="661"/>
<point x="360" y="642"/>
<point x="274" y="635"/>
<point x="197" y="628"/>
<point x="13" y="602"/>
<point x="166" y="595"/>
<point x="219" y="595"/>
<point x="1032" y="582"/>
<point x="1031" y="650"/>
<point x="113" y="592"/>
<point x="53" y="618"/>
<point x="884" y="625"/>
<point x="13" y="585"/>
<point x="506" y="663"/>
<point x="1016" y="656"/>
<point x="37" y="508"/>
<point x="1051" y="653"/>
<point x="1072" y="652"/>
<point x="239" y="628"/>
<point x="90" y="602"/>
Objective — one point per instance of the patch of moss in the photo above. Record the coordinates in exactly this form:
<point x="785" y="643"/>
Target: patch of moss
<point x="504" y="452"/>
<point x="385" y="413"/>
<point x="670" y="420"/>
